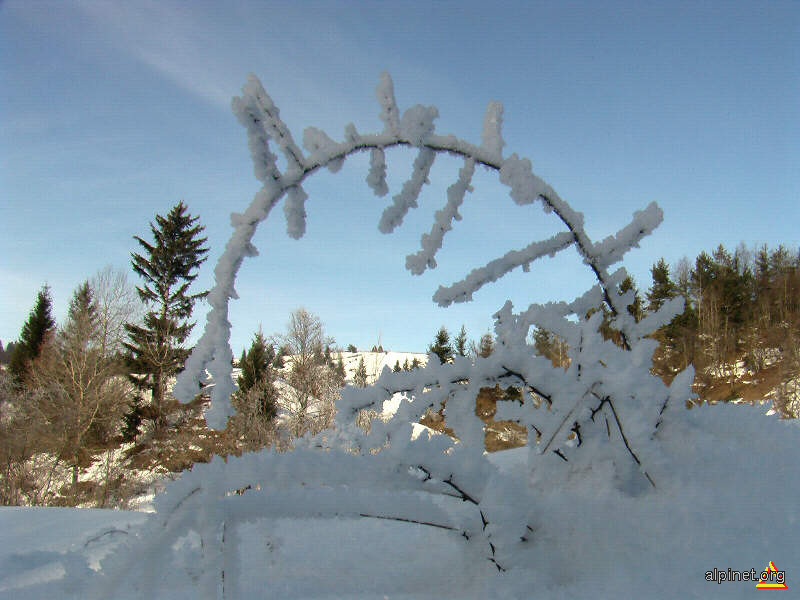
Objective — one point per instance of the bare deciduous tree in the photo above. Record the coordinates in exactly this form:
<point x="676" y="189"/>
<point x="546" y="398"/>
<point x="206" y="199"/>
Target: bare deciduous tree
<point x="81" y="392"/>
<point x="117" y="303"/>
<point x="312" y="386"/>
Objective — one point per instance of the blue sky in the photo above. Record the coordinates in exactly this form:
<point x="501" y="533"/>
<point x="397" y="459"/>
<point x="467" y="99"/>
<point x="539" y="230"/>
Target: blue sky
<point x="112" y="112"/>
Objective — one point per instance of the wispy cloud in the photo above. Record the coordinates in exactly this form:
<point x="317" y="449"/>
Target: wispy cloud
<point x="171" y="39"/>
<point x="208" y="49"/>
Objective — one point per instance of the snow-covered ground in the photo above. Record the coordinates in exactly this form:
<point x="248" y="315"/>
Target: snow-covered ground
<point x="728" y="482"/>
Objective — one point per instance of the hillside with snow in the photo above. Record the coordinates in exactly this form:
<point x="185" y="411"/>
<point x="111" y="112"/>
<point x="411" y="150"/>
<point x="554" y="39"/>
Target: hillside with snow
<point x="375" y="362"/>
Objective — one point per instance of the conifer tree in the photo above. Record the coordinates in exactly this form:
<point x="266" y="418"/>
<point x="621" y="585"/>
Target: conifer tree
<point x="762" y="268"/>
<point x="8" y="353"/>
<point x="702" y="276"/>
<point x="255" y="362"/>
<point x="168" y="267"/>
<point x="82" y="321"/>
<point x="397" y="368"/>
<point x="485" y="346"/>
<point x="257" y="377"/>
<point x="663" y="288"/>
<point x="441" y="346"/>
<point x="278" y="362"/>
<point x="339" y="370"/>
<point x="360" y="377"/>
<point x="39" y="325"/>
<point x="461" y="342"/>
<point x="734" y="279"/>
<point x="636" y="308"/>
<point x="132" y="420"/>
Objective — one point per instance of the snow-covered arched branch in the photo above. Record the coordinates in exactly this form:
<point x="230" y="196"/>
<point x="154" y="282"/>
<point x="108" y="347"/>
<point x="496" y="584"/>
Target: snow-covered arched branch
<point x="414" y="128"/>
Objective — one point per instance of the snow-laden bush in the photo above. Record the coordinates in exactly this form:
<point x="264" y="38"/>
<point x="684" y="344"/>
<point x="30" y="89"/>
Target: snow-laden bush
<point x="601" y="417"/>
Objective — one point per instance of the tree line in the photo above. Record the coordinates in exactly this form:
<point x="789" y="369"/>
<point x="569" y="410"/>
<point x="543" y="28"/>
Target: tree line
<point x="740" y="323"/>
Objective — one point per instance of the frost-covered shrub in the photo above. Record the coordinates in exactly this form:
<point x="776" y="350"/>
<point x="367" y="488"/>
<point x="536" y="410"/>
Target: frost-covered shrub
<point x="601" y="415"/>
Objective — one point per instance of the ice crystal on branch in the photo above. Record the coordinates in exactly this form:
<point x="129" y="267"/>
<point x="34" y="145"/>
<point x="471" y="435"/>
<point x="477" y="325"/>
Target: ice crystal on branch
<point x="389" y="113"/>
<point x="376" y="178"/>
<point x="491" y="134"/>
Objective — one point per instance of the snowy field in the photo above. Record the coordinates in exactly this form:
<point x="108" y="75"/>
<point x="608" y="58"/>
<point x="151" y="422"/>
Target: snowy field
<point x="728" y="482"/>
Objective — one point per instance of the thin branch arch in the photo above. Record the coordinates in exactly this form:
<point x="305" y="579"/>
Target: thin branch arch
<point x="257" y="112"/>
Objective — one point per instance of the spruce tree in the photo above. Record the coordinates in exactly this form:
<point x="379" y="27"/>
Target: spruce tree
<point x="132" y="420"/>
<point x="81" y="328"/>
<point x="663" y="288"/>
<point x="255" y="362"/>
<point x="762" y="268"/>
<point x="257" y="376"/>
<point x="278" y="362"/>
<point x="702" y="276"/>
<point x="34" y="332"/>
<point x="486" y="345"/>
<point x="635" y="308"/>
<point x="339" y="370"/>
<point x="734" y="281"/>
<point x="397" y="368"/>
<point x="8" y="353"/>
<point x="461" y="342"/>
<point x="168" y="267"/>
<point x="441" y="346"/>
<point x="360" y="377"/>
